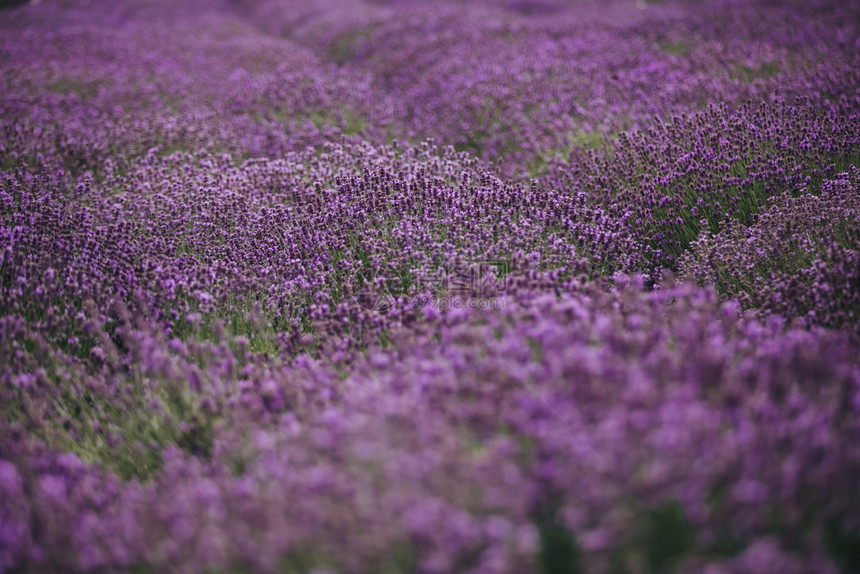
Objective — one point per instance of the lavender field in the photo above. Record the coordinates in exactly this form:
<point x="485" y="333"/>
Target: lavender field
<point x="403" y="286"/>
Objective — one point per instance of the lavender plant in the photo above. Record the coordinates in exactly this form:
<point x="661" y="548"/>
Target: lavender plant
<point x="799" y="260"/>
<point x="390" y="287"/>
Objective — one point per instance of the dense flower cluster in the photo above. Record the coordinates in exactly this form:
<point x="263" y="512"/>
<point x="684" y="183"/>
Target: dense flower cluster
<point x="799" y="259"/>
<point x="700" y="172"/>
<point x="655" y="426"/>
<point x="502" y="286"/>
<point x="528" y="92"/>
<point x="115" y="81"/>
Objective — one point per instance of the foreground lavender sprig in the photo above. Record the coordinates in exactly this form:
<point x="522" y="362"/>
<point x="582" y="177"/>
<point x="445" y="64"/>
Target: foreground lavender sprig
<point x="619" y="417"/>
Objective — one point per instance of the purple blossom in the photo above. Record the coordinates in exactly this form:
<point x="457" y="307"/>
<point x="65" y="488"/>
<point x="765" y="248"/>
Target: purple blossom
<point x="390" y="286"/>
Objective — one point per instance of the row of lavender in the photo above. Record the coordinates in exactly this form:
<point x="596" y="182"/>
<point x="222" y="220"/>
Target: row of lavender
<point x="246" y="329"/>
<point x="262" y="78"/>
<point x="594" y="431"/>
